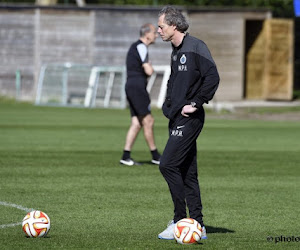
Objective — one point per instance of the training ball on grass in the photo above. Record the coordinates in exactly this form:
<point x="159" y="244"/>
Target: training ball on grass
<point x="36" y="224"/>
<point x="187" y="231"/>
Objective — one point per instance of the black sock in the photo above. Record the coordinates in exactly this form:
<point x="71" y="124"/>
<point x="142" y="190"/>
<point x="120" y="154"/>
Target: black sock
<point x="155" y="154"/>
<point x="126" y="155"/>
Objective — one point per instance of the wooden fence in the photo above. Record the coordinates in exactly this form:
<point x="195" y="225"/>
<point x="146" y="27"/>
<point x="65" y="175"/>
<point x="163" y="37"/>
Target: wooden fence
<point x="270" y="62"/>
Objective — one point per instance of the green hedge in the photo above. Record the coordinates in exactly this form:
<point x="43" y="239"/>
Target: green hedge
<point x="280" y="8"/>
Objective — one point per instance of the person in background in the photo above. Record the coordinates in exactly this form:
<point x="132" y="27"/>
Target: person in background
<point x="139" y="69"/>
<point x="193" y="81"/>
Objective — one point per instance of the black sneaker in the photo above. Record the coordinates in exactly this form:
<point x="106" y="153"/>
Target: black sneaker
<point x="155" y="161"/>
<point x="129" y="162"/>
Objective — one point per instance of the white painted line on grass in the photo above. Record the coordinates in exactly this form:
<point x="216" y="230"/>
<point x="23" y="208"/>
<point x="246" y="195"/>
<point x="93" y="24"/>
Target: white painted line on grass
<point x="10" y="225"/>
<point x="3" y="203"/>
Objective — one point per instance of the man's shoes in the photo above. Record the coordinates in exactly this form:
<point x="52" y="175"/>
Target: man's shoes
<point x="129" y="162"/>
<point x="155" y="157"/>
<point x="168" y="233"/>
<point x="155" y="161"/>
<point x="203" y="235"/>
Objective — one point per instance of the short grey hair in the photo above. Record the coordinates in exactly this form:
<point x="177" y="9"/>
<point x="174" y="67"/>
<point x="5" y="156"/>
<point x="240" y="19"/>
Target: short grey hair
<point x="174" y="17"/>
<point x="146" y="28"/>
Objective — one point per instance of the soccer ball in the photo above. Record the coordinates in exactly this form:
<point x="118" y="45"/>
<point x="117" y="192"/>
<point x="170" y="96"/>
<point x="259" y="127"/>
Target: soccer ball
<point x="36" y="224"/>
<point x="187" y="231"/>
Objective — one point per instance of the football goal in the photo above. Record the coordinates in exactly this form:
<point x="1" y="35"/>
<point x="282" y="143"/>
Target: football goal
<point x="91" y="86"/>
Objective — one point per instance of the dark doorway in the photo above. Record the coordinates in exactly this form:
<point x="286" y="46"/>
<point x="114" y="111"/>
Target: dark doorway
<point x="297" y="56"/>
<point x="252" y="30"/>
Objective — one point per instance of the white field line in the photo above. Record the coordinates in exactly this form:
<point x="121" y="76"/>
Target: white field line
<point x="3" y="203"/>
<point x="10" y="225"/>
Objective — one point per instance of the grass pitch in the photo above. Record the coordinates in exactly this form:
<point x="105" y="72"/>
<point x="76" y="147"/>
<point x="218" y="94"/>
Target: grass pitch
<point x="65" y="162"/>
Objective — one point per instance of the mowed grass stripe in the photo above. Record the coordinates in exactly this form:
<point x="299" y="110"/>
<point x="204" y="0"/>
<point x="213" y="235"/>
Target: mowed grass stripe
<point x="66" y="162"/>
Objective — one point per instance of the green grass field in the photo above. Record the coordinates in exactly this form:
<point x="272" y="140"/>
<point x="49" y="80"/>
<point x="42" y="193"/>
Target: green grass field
<point x="65" y="162"/>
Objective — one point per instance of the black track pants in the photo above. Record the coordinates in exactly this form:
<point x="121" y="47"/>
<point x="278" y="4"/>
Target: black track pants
<point x="178" y="165"/>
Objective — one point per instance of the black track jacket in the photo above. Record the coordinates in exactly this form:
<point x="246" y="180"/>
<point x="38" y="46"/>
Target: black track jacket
<point x="194" y="76"/>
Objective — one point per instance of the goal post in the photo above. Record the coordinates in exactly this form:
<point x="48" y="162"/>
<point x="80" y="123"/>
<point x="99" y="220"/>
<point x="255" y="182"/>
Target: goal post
<point x="108" y="77"/>
<point x="81" y="85"/>
<point x="160" y="77"/>
<point x="90" y="86"/>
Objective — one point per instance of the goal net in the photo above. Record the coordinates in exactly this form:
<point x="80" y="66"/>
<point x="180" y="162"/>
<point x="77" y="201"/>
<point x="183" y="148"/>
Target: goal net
<point x="93" y="86"/>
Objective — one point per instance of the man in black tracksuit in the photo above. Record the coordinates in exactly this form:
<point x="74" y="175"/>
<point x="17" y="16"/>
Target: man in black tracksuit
<point x="194" y="80"/>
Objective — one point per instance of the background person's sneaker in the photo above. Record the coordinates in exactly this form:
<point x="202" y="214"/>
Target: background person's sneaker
<point x="129" y="162"/>
<point x="155" y="161"/>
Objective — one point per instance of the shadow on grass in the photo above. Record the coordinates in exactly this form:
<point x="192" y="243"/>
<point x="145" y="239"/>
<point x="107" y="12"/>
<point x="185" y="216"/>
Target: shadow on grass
<point x="212" y="230"/>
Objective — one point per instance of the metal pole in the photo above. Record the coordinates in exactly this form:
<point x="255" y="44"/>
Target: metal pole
<point x="65" y="86"/>
<point x="18" y="84"/>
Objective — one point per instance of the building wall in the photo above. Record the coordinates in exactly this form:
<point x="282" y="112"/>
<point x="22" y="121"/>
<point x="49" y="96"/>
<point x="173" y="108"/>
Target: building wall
<point x="115" y="31"/>
<point x="17" y="45"/>
<point x="33" y="36"/>
<point x="224" y="37"/>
